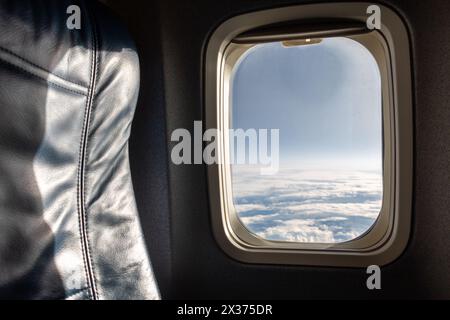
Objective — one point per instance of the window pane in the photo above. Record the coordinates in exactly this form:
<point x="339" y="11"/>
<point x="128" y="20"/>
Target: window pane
<point x="325" y="99"/>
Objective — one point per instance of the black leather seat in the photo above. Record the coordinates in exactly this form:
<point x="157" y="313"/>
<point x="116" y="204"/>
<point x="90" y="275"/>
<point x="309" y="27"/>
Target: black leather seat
<point x="68" y="222"/>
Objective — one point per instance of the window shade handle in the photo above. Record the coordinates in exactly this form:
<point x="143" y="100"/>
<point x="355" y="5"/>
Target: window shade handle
<point x="309" y="30"/>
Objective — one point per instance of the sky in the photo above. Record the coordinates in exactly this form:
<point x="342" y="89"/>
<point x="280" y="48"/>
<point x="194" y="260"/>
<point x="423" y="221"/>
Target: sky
<point x="326" y="101"/>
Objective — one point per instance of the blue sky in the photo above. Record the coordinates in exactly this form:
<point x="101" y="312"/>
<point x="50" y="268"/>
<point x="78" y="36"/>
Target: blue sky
<point x="324" y="98"/>
<point x="326" y="101"/>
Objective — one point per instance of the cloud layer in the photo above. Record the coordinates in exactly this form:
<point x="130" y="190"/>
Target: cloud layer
<point x="307" y="206"/>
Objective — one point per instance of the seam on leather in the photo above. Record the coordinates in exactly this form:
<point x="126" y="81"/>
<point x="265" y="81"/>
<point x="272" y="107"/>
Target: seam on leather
<point x="39" y="67"/>
<point x="30" y="68"/>
<point x="82" y="212"/>
<point x="94" y="82"/>
<point x="50" y="84"/>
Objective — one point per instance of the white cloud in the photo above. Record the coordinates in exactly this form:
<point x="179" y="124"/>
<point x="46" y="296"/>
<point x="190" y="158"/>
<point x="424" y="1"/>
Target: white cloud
<point x="299" y="231"/>
<point x="307" y="206"/>
<point x="249" y="207"/>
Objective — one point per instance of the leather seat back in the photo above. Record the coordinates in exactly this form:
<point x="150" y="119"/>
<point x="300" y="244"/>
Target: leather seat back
<point x="68" y="221"/>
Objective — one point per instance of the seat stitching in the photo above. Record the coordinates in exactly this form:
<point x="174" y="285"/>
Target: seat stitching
<point x="49" y="82"/>
<point x="39" y="67"/>
<point x="92" y="108"/>
<point x="83" y="230"/>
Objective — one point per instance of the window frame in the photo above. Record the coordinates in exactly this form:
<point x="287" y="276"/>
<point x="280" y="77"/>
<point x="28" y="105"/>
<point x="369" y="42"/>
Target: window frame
<point x="389" y="235"/>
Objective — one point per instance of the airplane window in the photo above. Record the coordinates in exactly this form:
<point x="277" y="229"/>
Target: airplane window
<point x="324" y="97"/>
